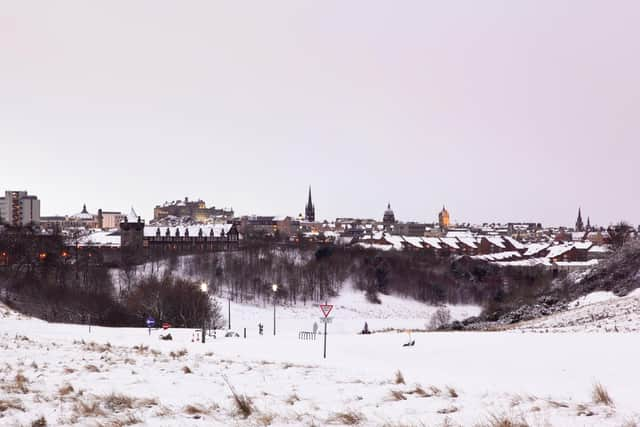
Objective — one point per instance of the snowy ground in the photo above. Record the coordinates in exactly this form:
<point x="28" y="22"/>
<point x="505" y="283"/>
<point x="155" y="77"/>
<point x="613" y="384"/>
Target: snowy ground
<point x="123" y="376"/>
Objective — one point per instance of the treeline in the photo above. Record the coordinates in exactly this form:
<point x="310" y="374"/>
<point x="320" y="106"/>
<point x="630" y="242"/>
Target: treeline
<point x="39" y="277"/>
<point x="43" y="280"/>
<point x="313" y="274"/>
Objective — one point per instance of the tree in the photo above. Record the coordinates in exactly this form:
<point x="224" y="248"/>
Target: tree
<point x="440" y="319"/>
<point x="620" y="234"/>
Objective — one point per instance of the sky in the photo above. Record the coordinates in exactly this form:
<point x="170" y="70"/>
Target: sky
<point x="500" y="110"/>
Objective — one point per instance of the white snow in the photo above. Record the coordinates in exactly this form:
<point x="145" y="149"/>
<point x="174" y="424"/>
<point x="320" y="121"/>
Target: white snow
<point x="544" y="379"/>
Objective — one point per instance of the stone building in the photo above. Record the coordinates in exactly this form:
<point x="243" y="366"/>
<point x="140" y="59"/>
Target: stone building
<point x="197" y="210"/>
<point x="443" y="218"/>
<point x="389" y="218"/>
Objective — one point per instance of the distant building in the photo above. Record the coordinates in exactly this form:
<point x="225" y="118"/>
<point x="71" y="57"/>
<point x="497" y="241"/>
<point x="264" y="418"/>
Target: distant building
<point x="109" y="219"/>
<point x="197" y="210"/>
<point x="310" y="210"/>
<point x="389" y="218"/>
<point x="17" y="208"/>
<point x="579" y="223"/>
<point x="443" y="218"/>
<point x="411" y="228"/>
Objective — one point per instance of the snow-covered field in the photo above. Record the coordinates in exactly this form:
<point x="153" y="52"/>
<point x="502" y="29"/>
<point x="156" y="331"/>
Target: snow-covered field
<point x="124" y="376"/>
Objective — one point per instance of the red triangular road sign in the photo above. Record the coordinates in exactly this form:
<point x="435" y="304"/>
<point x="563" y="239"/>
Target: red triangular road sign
<point x="326" y="309"/>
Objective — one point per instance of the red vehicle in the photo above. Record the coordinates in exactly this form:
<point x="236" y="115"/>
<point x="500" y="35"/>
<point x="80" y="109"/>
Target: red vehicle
<point x="166" y="325"/>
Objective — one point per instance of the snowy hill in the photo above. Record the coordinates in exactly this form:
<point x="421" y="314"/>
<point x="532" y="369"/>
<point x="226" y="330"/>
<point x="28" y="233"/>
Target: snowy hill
<point x="351" y="309"/>
<point x="595" y="312"/>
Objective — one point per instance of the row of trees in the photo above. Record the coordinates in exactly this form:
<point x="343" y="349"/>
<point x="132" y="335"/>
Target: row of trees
<point x="40" y="276"/>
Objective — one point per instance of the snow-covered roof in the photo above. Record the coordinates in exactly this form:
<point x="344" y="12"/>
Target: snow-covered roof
<point x="450" y="241"/>
<point x="468" y="241"/>
<point x="582" y="245"/>
<point x="535" y="248"/>
<point x="375" y="246"/>
<point x="395" y="241"/>
<point x="151" y="231"/>
<point x="514" y="242"/>
<point x="496" y="241"/>
<point x="100" y="239"/>
<point x="434" y="242"/>
<point x="499" y="256"/>
<point x="559" y="250"/>
<point x="414" y="241"/>
<point x="132" y="216"/>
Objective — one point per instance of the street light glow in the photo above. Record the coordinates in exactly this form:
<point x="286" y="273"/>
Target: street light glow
<point x="274" y="288"/>
<point x="204" y="287"/>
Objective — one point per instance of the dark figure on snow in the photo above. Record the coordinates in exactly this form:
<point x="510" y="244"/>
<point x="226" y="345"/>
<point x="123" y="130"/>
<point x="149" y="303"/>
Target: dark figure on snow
<point x="365" y="330"/>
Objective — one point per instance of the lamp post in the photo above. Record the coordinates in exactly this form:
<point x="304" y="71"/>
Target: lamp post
<point x="274" y="288"/>
<point x="205" y="289"/>
<point x="229" y="311"/>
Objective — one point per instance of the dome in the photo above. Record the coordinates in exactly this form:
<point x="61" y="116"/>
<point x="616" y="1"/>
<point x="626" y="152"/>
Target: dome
<point x="84" y="215"/>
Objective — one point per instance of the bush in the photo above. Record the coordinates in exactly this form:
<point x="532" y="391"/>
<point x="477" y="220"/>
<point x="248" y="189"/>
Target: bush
<point x="440" y="319"/>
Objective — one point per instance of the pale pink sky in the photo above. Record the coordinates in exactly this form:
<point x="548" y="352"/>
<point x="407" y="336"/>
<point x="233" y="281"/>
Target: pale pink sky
<point x="502" y="110"/>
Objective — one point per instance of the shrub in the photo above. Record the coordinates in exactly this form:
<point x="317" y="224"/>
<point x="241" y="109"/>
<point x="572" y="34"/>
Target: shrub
<point x="440" y="319"/>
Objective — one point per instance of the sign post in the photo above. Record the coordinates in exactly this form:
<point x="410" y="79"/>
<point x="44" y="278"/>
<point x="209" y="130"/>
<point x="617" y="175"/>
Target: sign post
<point x="326" y="309"/>
<point x="150" y="323"/>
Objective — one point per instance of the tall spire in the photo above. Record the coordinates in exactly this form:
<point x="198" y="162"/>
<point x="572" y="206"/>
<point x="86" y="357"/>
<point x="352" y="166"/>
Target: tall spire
<point x="310" y="209"/>
<point x="579" y="223"/>
<point x="84" y="208"/>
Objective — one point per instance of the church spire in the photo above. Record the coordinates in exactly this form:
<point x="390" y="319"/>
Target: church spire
<point x="579" y="223"/>
<point x="310" y="209"/>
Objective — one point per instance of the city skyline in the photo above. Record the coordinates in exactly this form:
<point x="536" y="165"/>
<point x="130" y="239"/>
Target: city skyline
<point x="501" y="112"/>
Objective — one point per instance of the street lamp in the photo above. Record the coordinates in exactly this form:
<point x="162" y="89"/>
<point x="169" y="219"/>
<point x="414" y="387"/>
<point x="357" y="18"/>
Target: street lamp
<point x="205" y="289"/>
<point x="274" y="288"/>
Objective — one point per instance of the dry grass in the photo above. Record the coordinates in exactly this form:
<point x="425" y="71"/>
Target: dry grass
<point x="99" y="348"/>
<point x="65" y="390"/>
<point x="92" y="368"/>
<point x="187" y="370"/>
<point x="452" y="392"/>
<point x="291" y="400"/>
<point x="88" y="409"/>
<point x="435" y="391"/>
<point x="419" y="391"/>
<point x="178" y="353"/>
<point x="504" y="421"/>
<point x="350" y="418"/>
<point x="195" y="410"/>
<point x="127" y="420"/>
<point x="399" y="378"/>
<point x="6" y="404"/>
<point x="118" y="402"/>
<point x="40" y="422"/>
<point x="397" y="395"/>
<point x="265" y="419"/>
<point x="243" y="403"/>
<point x="68" y="371"/>
<point x="449" y="410"/>
<point x="141" y="349"/>
<point x="583" y="410"/>
<point x="601" y="396"/>
<point x="18" y="385"/>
